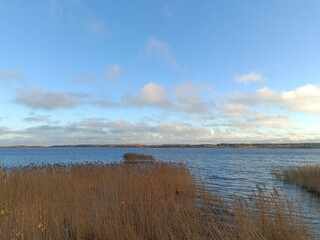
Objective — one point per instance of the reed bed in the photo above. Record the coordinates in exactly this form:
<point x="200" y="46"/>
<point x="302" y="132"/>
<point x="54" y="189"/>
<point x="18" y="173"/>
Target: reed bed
<point x="135" y="201"/>
<point x="138" y="158"/>
<point x="307" y="177"/>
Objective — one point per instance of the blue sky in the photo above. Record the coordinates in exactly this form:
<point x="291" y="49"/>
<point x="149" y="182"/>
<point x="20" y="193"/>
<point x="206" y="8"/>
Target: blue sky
<point x="152" y="72"/>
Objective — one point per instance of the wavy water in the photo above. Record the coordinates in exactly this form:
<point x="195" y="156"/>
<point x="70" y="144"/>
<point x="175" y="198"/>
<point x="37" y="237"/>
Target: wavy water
<point x="231" y="171"/>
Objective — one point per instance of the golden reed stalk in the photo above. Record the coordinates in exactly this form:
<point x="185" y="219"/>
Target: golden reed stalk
<point x="133" y="201"/>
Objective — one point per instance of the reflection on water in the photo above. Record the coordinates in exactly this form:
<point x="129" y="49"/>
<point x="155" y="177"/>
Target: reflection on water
<point x="231" y="171"/>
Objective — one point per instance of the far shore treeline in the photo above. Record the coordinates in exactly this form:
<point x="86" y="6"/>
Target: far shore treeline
<point x="220" y="145"/>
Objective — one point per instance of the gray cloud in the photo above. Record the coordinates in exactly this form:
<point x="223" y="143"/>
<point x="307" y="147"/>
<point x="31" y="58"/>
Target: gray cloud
<point x="37" y="118"/>
<point x="5" y="130"/>
<point x="103" y="102"/>
<point x="261" y="121"/>
<point x="36" y="98"/>
<point x="11" y="75"/>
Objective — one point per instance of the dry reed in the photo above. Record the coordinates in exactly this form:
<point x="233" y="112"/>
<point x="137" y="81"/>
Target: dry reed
<point x="307" y="176"/>
<point x="120" y="201"/>
<point x="138" y="158"/>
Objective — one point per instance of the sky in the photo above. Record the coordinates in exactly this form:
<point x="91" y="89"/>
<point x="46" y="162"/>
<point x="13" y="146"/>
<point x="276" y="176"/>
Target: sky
<point x="160" y="71"/>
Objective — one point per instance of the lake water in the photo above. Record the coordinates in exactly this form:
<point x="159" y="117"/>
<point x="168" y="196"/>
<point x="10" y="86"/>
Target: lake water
<point x="231" y="171"/>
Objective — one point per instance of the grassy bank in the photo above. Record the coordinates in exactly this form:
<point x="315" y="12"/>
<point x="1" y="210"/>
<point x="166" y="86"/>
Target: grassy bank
<point x="128" y="201"/>
<point x="307" y="177"/>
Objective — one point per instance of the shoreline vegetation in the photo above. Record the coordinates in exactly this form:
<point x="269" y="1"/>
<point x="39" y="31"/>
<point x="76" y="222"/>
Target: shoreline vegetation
<point x="135" y="201"/>
<point x="138" y="158"/>
<point x="220" y="145"/>
<point x="307" y="177"/>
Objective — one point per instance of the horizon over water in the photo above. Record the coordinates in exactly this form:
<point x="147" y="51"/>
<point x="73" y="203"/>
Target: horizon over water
<point x="227" y="170"/>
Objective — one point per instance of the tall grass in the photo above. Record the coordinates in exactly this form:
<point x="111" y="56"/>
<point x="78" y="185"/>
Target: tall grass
<point x="307" y="177"/>
<point x="120" y="201"/>
<point x="137" y="158"/>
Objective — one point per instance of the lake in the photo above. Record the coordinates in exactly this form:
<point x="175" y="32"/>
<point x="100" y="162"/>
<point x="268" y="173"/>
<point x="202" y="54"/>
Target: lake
<point x="231" y="171"/>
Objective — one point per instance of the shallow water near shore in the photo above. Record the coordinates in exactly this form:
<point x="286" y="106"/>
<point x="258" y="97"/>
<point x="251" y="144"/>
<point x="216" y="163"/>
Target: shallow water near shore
<point x="231" y="171"/>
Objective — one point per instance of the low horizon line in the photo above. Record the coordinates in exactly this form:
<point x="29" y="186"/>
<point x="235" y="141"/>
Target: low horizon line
<point x="221" y="145"/>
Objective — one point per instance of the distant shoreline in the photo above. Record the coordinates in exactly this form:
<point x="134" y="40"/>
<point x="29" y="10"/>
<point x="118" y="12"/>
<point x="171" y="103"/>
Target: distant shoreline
<point x="220" y="145"/>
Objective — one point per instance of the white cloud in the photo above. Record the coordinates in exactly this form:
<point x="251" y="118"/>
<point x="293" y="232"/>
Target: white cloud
<point x="249" y="77"/>
<point x="113" y="72"/>
<point x="303" y="99"/>
<point x="184" y="97"/>
<point x="36" y="98"/>
<point x="153" y="94"/>
<point x="160" y="50"/>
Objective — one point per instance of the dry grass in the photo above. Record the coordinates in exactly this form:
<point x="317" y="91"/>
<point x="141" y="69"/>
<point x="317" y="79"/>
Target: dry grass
<point x="120" y="201"/>
<point x="138" y="158"/>
<point x="307" y="177"/>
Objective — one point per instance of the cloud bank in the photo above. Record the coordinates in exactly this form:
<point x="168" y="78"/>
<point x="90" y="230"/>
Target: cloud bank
<point x="261" y="128"/>
<point x="185" y="115"/>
